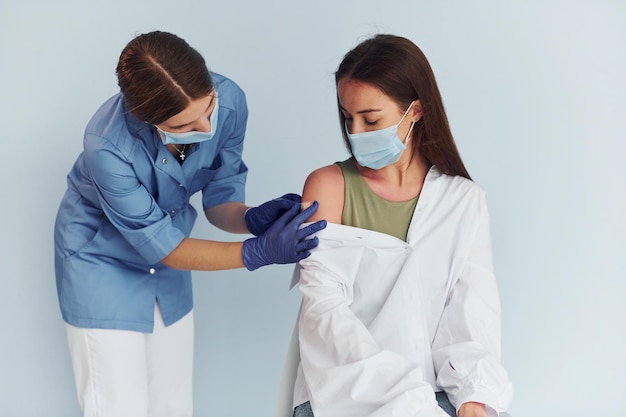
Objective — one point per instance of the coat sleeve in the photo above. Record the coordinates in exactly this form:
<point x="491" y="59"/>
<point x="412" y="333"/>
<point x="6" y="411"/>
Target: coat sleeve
<point x="466" y="347"/>
<point x="228" y="171"/>
<point x="346" y="372"/>
<point x="127" y="204"/>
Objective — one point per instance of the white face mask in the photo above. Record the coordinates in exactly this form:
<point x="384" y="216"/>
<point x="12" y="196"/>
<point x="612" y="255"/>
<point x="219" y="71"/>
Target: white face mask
<point x="379" y="148"/>
<point x="194" y="136"/>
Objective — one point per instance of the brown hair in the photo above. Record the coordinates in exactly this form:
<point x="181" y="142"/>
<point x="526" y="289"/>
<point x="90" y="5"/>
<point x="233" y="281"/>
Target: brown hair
<point x="397" y="67"/>
<point x="159" y="74"/>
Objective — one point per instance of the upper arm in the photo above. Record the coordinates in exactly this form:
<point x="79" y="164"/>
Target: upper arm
<point x="326" y="186"/>
<point x="126" y="202"/>
<point x="225" y="175"/>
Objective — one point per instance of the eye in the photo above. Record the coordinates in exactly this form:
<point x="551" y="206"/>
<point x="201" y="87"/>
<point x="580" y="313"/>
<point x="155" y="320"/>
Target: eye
<point x="371" y="122"/>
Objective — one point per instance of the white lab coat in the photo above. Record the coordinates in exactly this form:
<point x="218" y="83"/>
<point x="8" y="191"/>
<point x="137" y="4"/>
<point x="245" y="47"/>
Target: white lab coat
<point x="385" y="323"/>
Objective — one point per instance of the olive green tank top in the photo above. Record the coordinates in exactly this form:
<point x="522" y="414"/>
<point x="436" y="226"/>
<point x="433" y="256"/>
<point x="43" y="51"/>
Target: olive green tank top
<point x="365" y="209"/>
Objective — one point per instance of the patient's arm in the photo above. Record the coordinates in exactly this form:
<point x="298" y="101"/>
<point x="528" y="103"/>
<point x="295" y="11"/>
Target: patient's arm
<point x="325" y="185"/>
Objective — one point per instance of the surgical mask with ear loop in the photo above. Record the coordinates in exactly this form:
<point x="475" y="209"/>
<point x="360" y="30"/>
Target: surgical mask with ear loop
<point x="194" y="136"/>
<point x="379" y="148"/>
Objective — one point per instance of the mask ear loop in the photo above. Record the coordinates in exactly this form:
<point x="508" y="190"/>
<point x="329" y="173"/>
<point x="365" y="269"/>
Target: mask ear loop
<point x="408" y="135"/>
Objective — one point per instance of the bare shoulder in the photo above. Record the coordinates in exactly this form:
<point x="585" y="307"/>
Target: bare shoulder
<point x="325" y="185"/>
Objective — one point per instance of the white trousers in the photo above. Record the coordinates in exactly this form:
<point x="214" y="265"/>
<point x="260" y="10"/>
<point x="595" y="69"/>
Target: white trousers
<point x="122" y="373"/>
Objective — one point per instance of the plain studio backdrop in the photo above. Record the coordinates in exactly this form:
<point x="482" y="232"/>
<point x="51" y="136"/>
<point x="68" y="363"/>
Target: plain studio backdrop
<point x="534" y="91"/>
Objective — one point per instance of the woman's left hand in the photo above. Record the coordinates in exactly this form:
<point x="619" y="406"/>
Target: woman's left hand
<point x="259" y="219"/>
<point x="284" y="242"/>
<point x="472" y="409"/>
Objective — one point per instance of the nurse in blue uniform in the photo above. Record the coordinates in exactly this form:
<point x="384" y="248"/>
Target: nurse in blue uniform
<point x="123" y="254"/>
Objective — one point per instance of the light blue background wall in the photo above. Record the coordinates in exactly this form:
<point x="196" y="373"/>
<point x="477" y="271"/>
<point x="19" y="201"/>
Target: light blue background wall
<point x="535" y="94"/>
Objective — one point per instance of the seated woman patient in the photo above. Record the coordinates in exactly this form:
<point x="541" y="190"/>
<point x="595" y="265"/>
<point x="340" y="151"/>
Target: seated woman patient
<point x="400" y="313"/>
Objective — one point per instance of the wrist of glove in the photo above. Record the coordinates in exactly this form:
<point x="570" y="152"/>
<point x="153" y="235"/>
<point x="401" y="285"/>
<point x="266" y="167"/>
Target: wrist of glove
<point x="254" y="253"/>
<point x="259" y="219"/>
<point x="284" y="242"/>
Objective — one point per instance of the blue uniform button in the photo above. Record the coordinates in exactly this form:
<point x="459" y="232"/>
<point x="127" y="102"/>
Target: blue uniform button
<point x="152" y="271"/>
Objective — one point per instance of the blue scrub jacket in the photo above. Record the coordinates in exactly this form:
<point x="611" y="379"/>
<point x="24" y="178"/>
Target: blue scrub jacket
<point x="127" y="207"/>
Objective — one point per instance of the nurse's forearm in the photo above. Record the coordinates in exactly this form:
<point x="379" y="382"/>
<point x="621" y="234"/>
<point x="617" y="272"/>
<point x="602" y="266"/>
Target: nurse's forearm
<point x="228" y="217"/>
<point x="205" y="255"/>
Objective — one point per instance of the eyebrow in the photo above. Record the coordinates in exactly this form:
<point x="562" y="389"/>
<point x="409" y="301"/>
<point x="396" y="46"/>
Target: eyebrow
<point x="187" y="124"/>
<point x="361" y="111"/>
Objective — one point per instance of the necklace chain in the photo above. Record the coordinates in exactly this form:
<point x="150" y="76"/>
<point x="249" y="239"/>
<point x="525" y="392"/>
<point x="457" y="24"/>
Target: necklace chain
<point x="181" y="153"/>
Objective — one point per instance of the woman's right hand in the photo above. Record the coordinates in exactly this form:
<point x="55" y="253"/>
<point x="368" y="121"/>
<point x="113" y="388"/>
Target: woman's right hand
<point x="284" y="242"/>
<point x="472" y="409"/>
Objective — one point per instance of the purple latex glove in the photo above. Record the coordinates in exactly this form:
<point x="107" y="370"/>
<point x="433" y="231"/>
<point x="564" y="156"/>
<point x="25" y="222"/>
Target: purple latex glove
<point x="259" y="219"/>
<point x="283" y="242"/>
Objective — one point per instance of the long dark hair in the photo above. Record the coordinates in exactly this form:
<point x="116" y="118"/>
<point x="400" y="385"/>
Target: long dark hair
<point x="397" y="67"/>
<point x="159" y="74"/>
